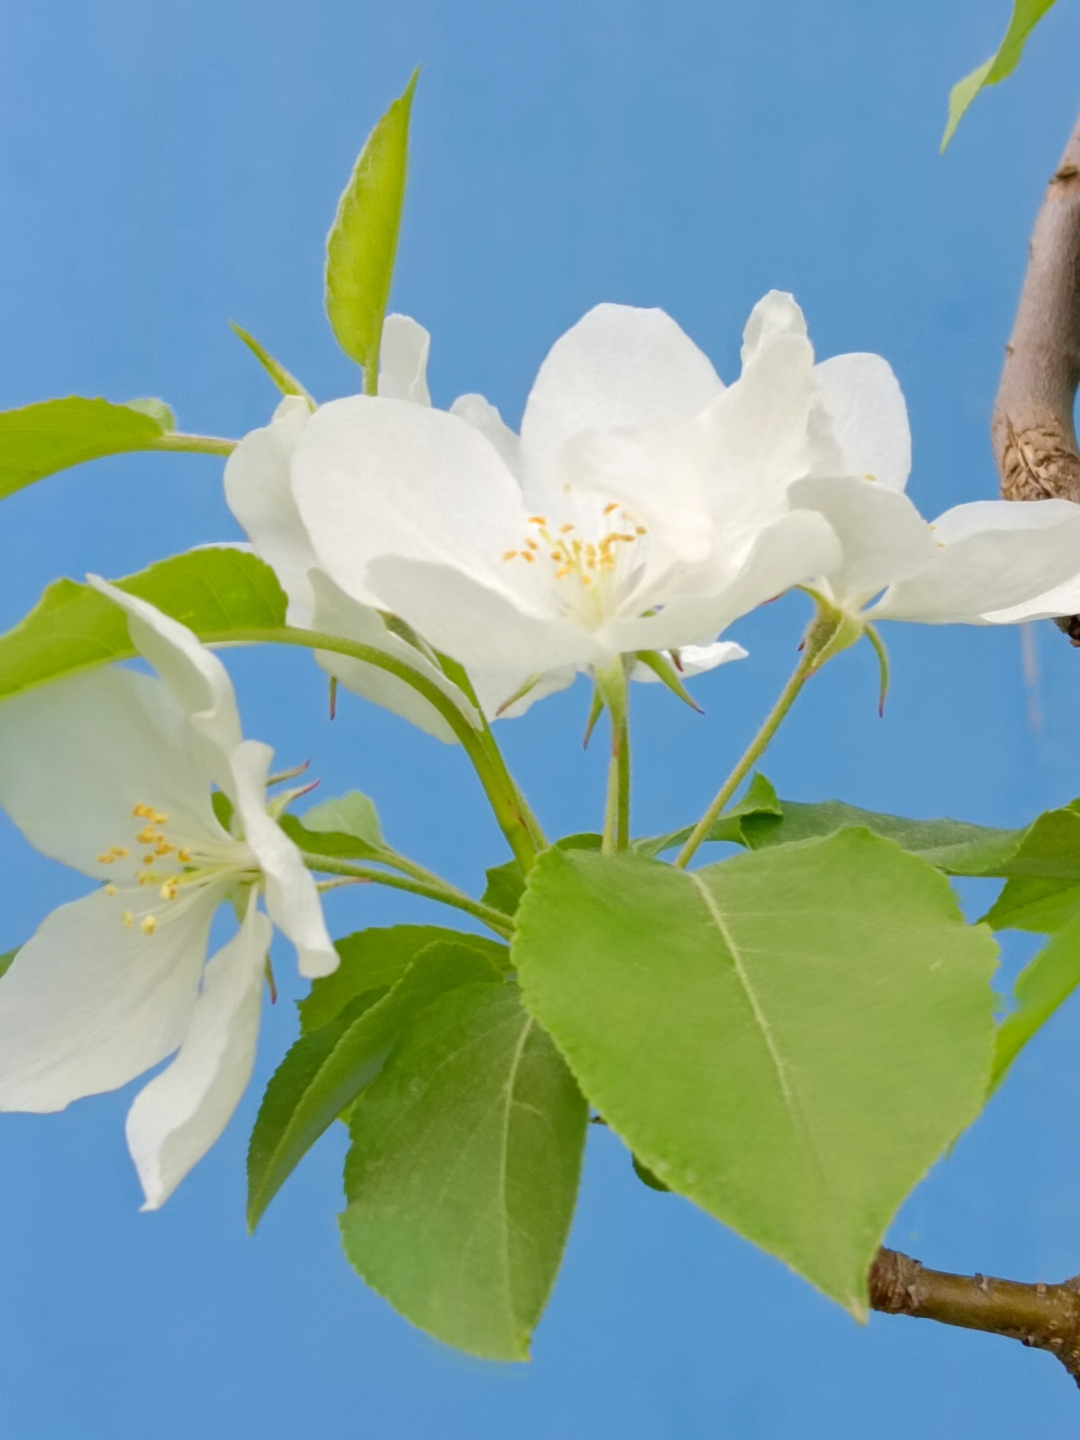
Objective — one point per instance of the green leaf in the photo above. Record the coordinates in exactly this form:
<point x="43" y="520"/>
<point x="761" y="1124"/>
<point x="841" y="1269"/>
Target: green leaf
<point x="950" y="845"/>
<point x="347" y="817"/>
<point x="378" y="957"/>
<point x="1040" y="988"/>
<point x="214" y="591"/>
<point x="362" y="244"/>
<point x="506" y="884"/>
<point x="789" y="1038"/>
<point x="760" y="799"/>
<point x="1039" y="905"/>
<point x="463" y="1172"/>
<point x="286" y="383"/>
<point x="1026" y="14"/>
<point x="6" y="959"/>
<point x="325" y="1070"/>
<point x="52" y="435"/>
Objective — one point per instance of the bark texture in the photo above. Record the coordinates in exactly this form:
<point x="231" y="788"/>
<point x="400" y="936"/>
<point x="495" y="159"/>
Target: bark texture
<point x="1046" y="1317"/>
<point x="1032" y="428"/>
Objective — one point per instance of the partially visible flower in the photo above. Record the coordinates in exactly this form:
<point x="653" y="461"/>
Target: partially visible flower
<point x="967" y="566"/>
<point x="644" y="508"/>
<point x="112" y="773"/>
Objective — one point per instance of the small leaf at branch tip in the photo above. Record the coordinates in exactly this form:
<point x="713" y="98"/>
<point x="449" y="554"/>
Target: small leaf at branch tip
<point x="283" y="775"/>
<point x="285" y="382"/>
<point x="1026" y="14"/>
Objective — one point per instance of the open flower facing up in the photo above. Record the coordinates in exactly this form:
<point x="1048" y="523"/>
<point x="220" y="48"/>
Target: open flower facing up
<point x="112" y="773"/>
<point x="643" y="509"/>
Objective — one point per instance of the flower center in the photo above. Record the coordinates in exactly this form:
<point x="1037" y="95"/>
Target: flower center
<point x="597" y="572"/>
<point x="171" y="866"/>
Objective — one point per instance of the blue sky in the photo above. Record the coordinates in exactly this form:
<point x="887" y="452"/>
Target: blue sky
<point x="165" y="166"/>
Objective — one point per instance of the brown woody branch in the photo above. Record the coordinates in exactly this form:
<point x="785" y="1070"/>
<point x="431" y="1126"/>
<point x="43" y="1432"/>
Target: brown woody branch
<point x="1046" y="1317"/>
<point x="1032" y="428"/>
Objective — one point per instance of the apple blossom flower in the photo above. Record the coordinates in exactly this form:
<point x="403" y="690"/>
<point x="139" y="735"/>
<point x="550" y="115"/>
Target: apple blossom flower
<point x="643" y="508"/>
<point x="979" y="563"/>
<point x="111" y="772"/>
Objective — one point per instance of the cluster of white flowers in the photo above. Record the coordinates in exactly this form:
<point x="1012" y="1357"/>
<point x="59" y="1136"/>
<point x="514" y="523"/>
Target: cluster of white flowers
<point x="643" y="508"/>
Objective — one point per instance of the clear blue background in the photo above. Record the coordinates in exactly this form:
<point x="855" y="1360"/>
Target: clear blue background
<point x="165" y="165"/>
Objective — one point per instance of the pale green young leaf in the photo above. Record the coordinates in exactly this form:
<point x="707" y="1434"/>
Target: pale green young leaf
<point x="39" y="440"/>
<point x="362" y="243"/>
<point x="326" y="1069"/>
<point x="1039" y="905"/>
<point x="790" y="1038"/>
<point x="1026" y="14"/>
<point x="463" y="1172"/>
<point x="1040" y="988"/>
<point x="353" y="814"/>
<point x="379" y="957"/>
<point x="285" y="382"/>
<point x="73" y="627"/>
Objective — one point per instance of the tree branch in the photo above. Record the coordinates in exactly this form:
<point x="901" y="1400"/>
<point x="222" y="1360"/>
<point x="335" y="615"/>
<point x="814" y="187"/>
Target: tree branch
<point x="1046" y="1317"/>
<point x="1032" y="428"/>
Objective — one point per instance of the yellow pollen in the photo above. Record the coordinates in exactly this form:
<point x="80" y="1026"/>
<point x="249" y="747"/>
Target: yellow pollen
<point x="118" y="851"/>
<point x="148" y="859"/>
<point x="532" y="544"/>
<point x="148" y="925"/>
<point x="609" y="509"/>
<point x="162" y="847"/>
<point x="183" y="856"/>
<point x="168" y="890"/>
<point x="110" y="889"/>
<point x="562" y="572"/>
<point x="528" y="555"/>
<point x="146" y="836"/>
<point x="639" y="529"/>
<point x="160" y="819"/>
<point x="146" y="811"/>
<point x="128" y="917"/>
<point x="106" y="859"/>
<point x="565" y="529"/>
<point x="509" y="555"/>
<point x="537" y="520"/>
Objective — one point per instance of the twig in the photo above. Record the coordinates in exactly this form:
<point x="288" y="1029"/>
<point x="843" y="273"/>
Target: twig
<point x="1032" y="428"/>
<point x="1046" y="1317"/>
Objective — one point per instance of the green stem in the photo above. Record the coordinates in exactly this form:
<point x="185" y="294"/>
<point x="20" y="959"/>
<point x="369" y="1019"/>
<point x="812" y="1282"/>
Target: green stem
<point x="613" y="684"/>
<point x="820" y="632"/>
<point x="445" y="894"/>
<point x="198" y="444"/>
<point x="486" y="759"/>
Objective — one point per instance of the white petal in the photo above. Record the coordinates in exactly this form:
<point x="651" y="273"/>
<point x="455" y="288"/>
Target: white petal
<point x="990" y="568"/>
<point x="1061" y="600"/>
<point x="337" y="614"/>
<point x="494" y="689"/>
<point x="482" y="627"/>
<point x="658" y="474"/>
<point x="796" y="547"/>
<point x="291" y="896"/>
<point x="758" y="437"/>
<point x="775" y="314"/>
<point x="694" y="660"/>
<point x="193" y="673"/>
<point x="882" y="536"/>
<point x="483" y="416"/>
<point x="78" y="755"/>
<point x="381" y="477"/>
<point x="618" y="366"/>
<point x="403" y="360"/>
<point x="87" y="1004"/>
<point x="868" y="417"/>
<point x="259" y="495"/>
<point x="177" y="1117"/>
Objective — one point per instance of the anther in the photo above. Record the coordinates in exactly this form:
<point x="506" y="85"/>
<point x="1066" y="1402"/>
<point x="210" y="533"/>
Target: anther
<point x="608" y="509"/>
<point x="161" y="819"/>
<point x="110" y="889"/>
<point x="168" y="890"/>
<point x="565" y="529"/>
<point x="146" y="835"/>
<point x="537" y="520"/>
<point x="127" y="919"/>
<point x="183" y="856"/>
<point x="148" y="925"/>
<point x="509" y="555"/>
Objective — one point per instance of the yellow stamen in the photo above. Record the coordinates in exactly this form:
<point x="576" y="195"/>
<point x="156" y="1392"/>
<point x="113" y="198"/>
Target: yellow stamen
<point x="537" y="520"/>
<point x="161" y="819"/>
<point x="127" y="918"/>
<point x="106" y="859"/>
<point x="509" y="555"/>
<point x="528" y="555"/>
<point x="183" y="856"/>
<point x="162" y="848"/>
<point x="110" y="889"/>
<point x="119" y="853"/>
<point x="148" y="859"/>
<point x="565" y="529"/>
<point x="148" y="925"/>
<point x="168" y="890"/>
<point x="146" y="835"/>
<point x="609" y="508"/>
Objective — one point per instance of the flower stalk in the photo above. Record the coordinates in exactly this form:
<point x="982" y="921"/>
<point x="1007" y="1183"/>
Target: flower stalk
<point x="819" y="637"/>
